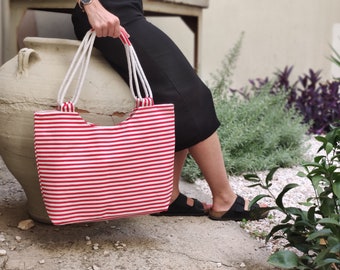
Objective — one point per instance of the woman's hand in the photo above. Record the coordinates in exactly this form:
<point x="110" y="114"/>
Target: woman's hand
<point x="102" y="21"/>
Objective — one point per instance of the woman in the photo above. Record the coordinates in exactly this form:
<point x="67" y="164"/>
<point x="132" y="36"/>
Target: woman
<point x="173" y="80"/>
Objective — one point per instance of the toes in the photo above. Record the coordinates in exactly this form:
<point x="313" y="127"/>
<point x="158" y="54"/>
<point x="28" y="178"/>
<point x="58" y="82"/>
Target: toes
<point x="190" y="201"/>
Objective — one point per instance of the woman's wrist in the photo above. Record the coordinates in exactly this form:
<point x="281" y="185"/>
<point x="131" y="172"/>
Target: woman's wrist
<point x="85" y="3"/>
<point x="105" y="23"/>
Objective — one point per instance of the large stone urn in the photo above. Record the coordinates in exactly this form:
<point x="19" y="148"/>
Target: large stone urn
<point x="30" y="82"/>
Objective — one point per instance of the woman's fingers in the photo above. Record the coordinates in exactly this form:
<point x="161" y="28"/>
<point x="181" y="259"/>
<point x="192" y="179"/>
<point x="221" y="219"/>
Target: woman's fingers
<point x="106" y="27"/>
<point x="123" y="31"/>
<point x="102" y="21"/>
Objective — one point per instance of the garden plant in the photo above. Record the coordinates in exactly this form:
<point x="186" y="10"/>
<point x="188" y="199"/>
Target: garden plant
<point x="317" y="101"/>
<point x="264" y="126"/>
<point x="257" y="130"/>
<point x="312" y="231"/>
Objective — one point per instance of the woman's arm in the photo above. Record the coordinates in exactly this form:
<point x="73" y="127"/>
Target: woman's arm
<point x="102" y="21"/>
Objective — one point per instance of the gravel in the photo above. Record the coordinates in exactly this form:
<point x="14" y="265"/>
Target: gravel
<point x="12" y="192"/>
<point x="282" y="177"/>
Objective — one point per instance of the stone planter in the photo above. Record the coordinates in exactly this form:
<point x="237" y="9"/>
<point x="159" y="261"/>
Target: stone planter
<point x="30" y="82"/>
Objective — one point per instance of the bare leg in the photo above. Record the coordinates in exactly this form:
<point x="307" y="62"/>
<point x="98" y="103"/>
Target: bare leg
<point x="180" y="157"/>
<point x="209" y="158"/>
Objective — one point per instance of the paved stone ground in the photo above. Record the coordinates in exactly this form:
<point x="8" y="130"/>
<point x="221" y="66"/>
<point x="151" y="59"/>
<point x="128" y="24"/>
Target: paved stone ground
<point x="135" y="243"/>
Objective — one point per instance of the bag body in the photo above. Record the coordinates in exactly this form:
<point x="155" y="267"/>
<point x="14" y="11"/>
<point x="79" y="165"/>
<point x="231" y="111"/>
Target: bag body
<point x="91" y="173"/>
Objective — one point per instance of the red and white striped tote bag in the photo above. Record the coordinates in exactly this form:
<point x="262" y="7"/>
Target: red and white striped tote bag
<point x="91" y="173"/>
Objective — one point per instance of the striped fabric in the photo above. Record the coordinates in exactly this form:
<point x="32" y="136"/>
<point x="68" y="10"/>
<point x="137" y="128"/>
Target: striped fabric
<point x="92" y="173"/>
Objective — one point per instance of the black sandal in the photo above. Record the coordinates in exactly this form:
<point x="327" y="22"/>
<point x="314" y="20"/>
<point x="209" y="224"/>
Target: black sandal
<point x="179" y="207"/>
<point x="237" y="212"/>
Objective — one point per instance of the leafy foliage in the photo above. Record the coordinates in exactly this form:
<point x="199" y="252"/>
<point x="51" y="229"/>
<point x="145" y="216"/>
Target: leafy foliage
<point x="314" y="233"/>
<point x="259" y="133"/>
<point x="256" y="132"/>
<point x="318" y="102"/>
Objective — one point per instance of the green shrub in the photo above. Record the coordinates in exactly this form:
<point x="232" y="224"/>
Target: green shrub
<point x="259" y="133"/>
<point x="256" y="132"/>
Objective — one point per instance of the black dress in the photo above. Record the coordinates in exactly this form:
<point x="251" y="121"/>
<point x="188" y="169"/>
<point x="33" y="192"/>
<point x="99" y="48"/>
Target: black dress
<point x="171" y="77"/>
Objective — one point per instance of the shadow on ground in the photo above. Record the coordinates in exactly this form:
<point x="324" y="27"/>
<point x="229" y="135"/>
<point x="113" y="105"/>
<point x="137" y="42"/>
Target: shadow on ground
<point x="145" y="242"/>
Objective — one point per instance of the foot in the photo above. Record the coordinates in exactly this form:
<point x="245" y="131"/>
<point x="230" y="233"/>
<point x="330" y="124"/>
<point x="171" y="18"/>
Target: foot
<point x="184" y="206"/>
<point x="239" y="211"/>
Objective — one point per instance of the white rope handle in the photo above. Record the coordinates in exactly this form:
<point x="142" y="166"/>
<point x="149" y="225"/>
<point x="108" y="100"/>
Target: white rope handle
<point x="136" y="73"/>
<point x="141" y="74"/>
<point x="81" y="61"/>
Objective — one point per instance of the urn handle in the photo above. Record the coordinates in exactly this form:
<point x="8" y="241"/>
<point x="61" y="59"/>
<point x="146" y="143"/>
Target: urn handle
<point x="26" y="57"/>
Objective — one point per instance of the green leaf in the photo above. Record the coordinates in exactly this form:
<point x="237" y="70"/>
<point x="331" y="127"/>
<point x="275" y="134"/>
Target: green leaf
<point x="319" y="158"/>
<point x="335" y="249"/>
<point x="312" y="164"/>
<point x="301" y="174"/>
<point x="302" y="225"/>
<point x="336" y="157"/>
<point x="319" y="234"/>
<point x="329" y="147"/>
<point x="287" y="218"/>
<point x="308" y="204"/>
<point x="316" y="181"/>
<point x="279" y="198"/>
<point x="270" y="175"/>
<point x="315" y="164"/>
<point x="336" y="188"/>
<point x="327" y="205"/>
<point x="321" y="139"/>
<point x="296" y="211"/>
<point x="252" y="178"/>
<point x="257" y="198"/>
<point x="284" y="259"/>
<point x="280" y="227"/>
<point x="321" y="257"/>
<point x="329" y="221"/>
<point x="255" y="185"/>
<point x="311" y="214"/>
<point x="328" y="262"/>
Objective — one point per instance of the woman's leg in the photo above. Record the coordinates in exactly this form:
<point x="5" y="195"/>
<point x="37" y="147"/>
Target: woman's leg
<point x="180" y="157"/>
<point x="209" y="158"/>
